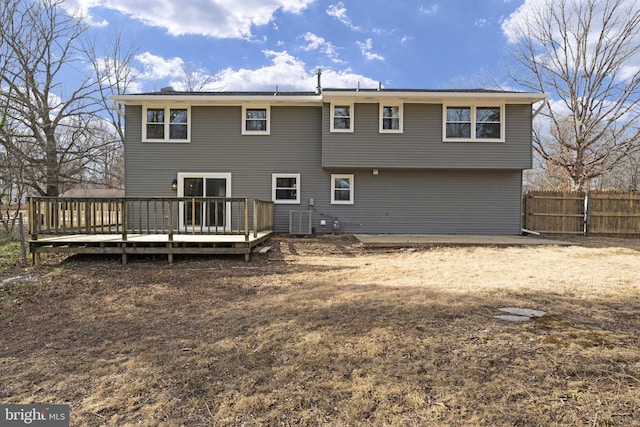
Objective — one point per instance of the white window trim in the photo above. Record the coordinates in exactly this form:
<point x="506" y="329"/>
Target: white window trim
<point x="473" y="107"/>
<point x="333" y="189"/>
<point x="351" y="116"/>
<point x="182" y="176"/>
<point x="167" y="123"/>
<point x="243" y="123"/>
<point x="400" y="106"/>
<point x="274" y="179"/>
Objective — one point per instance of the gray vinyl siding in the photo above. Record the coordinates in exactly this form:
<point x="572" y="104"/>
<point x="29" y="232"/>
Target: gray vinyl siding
<point x="421" y="144"/>
<point x="217" y="146"/>
<point x="443" y="200"/>
<point x="433" y="202"/>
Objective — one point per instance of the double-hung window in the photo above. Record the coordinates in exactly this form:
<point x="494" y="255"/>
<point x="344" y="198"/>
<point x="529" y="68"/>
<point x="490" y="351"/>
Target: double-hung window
<point x="255" y="120"/>
<point x="285" y="188"/>
<point x="341" y="117"/>
<point x="341" y="189"/>
<point x="390" y="118"/>
<point x="167" y="124"/>
<point x="475" y="123"/>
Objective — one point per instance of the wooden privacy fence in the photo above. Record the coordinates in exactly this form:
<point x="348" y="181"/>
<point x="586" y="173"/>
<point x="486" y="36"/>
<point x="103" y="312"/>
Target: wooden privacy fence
<point x="600" y="213"/>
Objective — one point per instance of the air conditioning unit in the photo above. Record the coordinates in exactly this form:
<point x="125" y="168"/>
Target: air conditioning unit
<point x="300" y="223"/>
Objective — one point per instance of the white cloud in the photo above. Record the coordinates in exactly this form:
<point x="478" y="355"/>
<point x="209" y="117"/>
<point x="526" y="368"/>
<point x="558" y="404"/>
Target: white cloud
<point x="215" y="18"/>
<point x="103" y="23"/>
<point x="366" y="48"/>
<point x="285" y="71"/>
<point x="158" y="68"/>
<point x="315" y="42"/>
<point x="80" y="9"/>
<point x="346" y="79"/>
<point x="339" y="12"/>
<point x="481" y="23"/>
<point x="430" y="10"/>
<point x="628" y="72"/>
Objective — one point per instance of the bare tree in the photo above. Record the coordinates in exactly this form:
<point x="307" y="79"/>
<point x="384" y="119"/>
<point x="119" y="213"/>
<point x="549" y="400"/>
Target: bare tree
<point x="49" y="98"/>
<point x="625" y="176"/>
<point x="195" y="78"/>
<point x="111" y="61"/>
<point x="12" y="190"/>
<point x="581" y="51"/>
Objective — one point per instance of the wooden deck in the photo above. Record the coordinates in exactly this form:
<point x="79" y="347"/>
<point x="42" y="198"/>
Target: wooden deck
<point x="125" y="226"/>
<point x="148" y="244"/>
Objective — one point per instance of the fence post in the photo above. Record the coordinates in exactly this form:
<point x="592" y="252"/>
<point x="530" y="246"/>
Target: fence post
<point x="23" y="243"/>
<point x="525" y="210"/>
<point x="587" y="213"/>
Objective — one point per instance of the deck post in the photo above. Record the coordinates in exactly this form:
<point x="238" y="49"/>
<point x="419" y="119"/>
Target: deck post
<point x="125" y="220"/>
<point x="255" y="218"/>
<point x="125" y="225"/>
<point x="170" y="231"/>
<point x="246" y="220"/>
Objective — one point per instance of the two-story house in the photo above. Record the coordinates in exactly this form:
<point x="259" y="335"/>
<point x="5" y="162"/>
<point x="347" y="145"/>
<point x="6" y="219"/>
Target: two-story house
<point x="357" y="161"/>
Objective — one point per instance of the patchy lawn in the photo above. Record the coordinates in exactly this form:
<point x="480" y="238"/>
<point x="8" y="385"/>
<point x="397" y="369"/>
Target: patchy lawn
<point x="324" y="332"/>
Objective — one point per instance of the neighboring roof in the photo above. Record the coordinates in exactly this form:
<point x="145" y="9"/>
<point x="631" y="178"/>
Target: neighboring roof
<point x="93" y="192"/>
<point x="303" y="98"/>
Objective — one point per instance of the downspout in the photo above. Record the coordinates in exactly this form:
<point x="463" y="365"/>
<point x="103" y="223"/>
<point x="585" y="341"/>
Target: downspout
<point x="545" y="102"/>
<point x="525" y="231"/>
<point x="115" y="105"/>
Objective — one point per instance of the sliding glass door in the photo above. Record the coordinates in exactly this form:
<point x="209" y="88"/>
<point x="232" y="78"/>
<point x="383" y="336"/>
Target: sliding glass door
<point x="204" y="215"/>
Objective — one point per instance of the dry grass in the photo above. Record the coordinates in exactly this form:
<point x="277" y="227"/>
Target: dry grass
<point x="323" y="332"/>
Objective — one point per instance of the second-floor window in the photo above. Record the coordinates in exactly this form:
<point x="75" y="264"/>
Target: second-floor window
<point x="166" y="124"/>
<point x="390" y="118"/>
<point x="474" y="123"/>
<point x="341" y="117"/>
<point x="255" y="120"/>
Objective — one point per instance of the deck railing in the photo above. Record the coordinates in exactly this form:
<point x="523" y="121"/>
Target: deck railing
<point x="151" y="215"/>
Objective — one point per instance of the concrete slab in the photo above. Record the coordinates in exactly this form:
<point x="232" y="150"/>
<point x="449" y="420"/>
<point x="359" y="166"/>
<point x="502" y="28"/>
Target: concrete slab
<point x="432" y="240"/>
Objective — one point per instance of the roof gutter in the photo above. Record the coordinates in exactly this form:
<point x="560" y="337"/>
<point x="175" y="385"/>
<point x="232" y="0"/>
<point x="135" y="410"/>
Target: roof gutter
<point x="216" y="99"/>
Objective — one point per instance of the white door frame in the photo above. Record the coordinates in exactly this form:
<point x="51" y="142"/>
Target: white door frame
<point x="204" y="175"/>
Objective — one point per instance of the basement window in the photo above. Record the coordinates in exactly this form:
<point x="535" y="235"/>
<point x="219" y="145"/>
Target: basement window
<point x="341" y="189"/>
<point x="285" y="188"/>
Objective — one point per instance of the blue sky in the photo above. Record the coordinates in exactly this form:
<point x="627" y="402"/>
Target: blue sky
<point x="258" y="44"/>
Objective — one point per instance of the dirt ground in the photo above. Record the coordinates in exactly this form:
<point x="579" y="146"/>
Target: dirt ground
<point x="323" y="331"/>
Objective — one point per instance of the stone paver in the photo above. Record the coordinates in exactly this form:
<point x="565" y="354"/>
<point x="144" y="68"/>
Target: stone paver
<point x="518" y="314"/>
